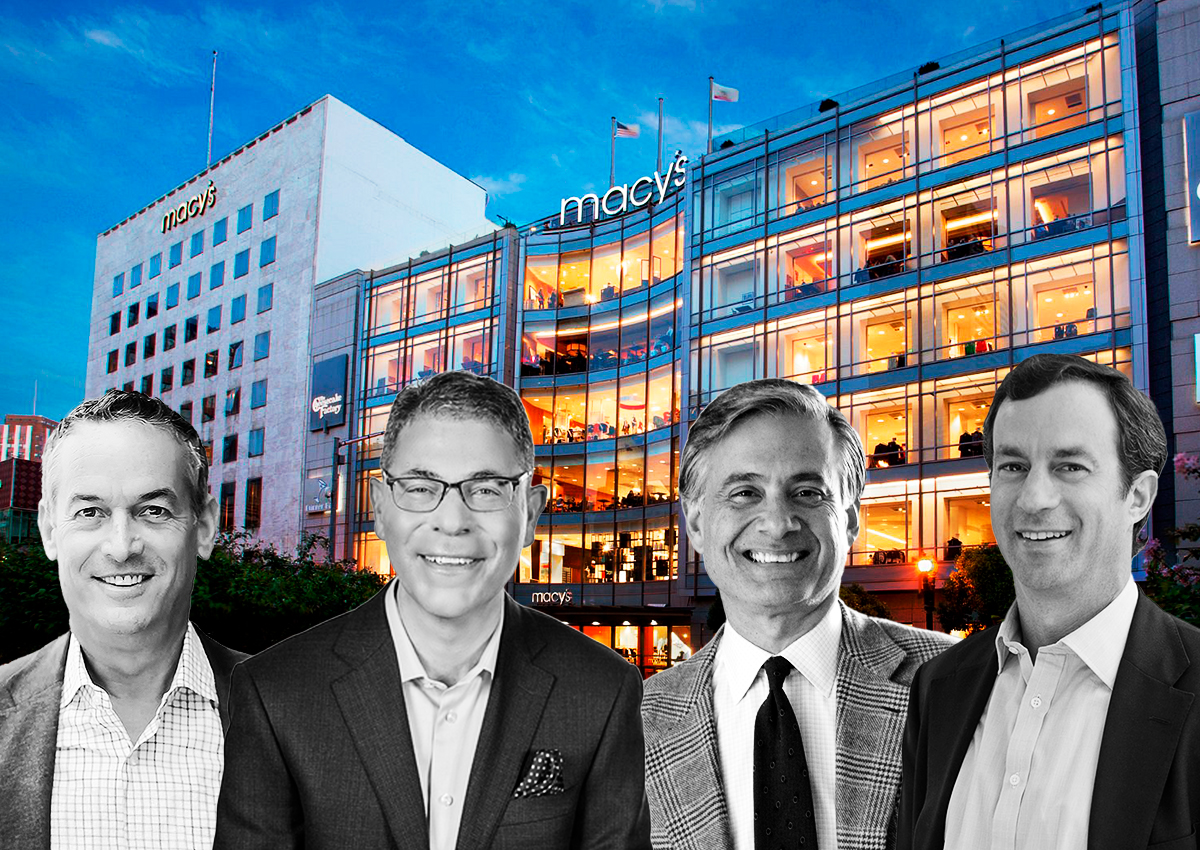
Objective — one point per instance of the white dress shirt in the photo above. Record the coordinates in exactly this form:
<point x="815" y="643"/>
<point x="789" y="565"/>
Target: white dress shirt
<point x="1026" y="781"/>
<point x="739" y="689"/>
<point x="157" y="792"/>
<point x="444" y="723"/>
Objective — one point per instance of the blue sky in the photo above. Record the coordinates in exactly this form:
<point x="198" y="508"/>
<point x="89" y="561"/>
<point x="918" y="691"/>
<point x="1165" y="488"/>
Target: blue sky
<point x="107" y="107"/>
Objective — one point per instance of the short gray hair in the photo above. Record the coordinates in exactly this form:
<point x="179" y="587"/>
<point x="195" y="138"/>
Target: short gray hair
<point x="777" y="397"/>
<point x="461" y="395"/>
<point x="129" y="406"/>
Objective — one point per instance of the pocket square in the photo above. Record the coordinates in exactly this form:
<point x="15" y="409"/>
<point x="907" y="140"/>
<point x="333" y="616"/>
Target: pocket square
<point x="544" y="776"/>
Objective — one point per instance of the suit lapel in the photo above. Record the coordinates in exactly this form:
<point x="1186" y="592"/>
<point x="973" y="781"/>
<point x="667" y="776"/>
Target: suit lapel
<point x="518" y="696"/>
<point x="954" y="706"/>
<point x="870" y="731"/>
<point x="372" y="705"/>
<point x="1145" y="718"/>
<point x="222" y="661"/>
<point x="683" y="775"/>
<point x="28" y="737"/>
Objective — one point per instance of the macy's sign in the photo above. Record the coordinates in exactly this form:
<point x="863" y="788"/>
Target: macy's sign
<point x="620" y="199"/>
<point x="552" y="597"/>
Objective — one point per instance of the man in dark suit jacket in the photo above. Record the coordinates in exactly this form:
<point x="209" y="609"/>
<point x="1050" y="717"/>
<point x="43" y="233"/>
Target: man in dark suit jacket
<point x="125" y="511"/>
<point x="1075" y="723"/>
<point x="441" y="714"/>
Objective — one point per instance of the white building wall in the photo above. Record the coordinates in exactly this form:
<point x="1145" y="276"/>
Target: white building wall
<point x="350" y="194"/>
<point x="382" y="200"/>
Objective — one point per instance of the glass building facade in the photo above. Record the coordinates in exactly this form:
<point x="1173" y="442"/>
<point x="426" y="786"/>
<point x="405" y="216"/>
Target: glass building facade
<point x="900" y="249"/>
<point x="449" y="310"/>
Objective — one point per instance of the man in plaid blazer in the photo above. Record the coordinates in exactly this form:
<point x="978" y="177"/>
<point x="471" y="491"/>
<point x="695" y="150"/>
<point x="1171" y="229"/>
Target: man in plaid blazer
<point x="771" y="479"/>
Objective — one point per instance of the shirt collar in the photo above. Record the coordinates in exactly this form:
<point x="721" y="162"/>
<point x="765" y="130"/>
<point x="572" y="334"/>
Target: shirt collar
<point x="1099" y="643"/>
<point x="813" y="654"/>
<point x="411" y="667"/>
<point x="192" y="672"/>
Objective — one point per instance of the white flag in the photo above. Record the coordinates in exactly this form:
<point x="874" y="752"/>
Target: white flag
<point x="724" y="93"/>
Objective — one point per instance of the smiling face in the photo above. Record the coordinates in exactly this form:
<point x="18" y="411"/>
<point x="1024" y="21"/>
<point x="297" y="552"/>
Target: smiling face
<point x="452" y="562"/>
<point x="772" y="521"/>
<point x="1059" y="510"/>
<point x="120" y="524"/>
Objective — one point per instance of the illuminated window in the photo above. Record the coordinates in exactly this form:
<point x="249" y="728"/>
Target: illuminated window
<point x="227" y="503"/>
<point x="253" y="503"/>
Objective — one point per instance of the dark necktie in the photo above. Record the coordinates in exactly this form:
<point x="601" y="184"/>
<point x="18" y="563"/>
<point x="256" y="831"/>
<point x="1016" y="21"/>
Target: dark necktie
<point x="784" y="816"/>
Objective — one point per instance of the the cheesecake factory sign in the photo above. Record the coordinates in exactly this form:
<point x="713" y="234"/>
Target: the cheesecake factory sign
<point x="193" y="208"/>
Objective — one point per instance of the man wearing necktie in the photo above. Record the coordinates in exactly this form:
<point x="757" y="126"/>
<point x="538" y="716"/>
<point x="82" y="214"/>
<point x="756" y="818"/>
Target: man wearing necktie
<point x="786" y="729"/>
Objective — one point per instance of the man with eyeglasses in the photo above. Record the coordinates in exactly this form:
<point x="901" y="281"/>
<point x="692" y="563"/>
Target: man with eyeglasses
<point x="441" y="714"/>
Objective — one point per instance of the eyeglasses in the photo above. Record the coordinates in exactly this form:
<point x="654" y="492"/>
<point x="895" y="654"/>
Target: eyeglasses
<point x="481" y="495"/>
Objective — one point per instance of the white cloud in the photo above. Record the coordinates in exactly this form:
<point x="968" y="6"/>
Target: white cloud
<point x="105" y="37"/>
<point x="691" y="137"/>
<point x="501" y="186"/>
<point x="659" y="5"/>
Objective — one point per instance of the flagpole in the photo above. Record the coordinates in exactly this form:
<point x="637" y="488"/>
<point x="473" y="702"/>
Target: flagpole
<point x="612" y="154"/>
<point x="212" y="96"/>
<point x="659" y="149"/>
<point x="710" y="91"/>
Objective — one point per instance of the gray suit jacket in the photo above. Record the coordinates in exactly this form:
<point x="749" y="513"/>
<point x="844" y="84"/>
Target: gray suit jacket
<point x="319" y="753"/>
<point x="30" y="691"/>
<point x="876" y="662"/>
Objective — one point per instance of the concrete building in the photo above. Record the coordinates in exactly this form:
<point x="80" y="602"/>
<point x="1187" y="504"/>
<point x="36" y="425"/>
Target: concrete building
<point x="24" y="435"/>
<point x="204" y="297"/>
<point x="20" y="492"/>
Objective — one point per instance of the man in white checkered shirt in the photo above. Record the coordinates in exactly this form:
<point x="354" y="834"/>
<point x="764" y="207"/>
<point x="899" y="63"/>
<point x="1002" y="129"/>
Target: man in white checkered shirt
<point x="771" y="480"/>
<point x="111" y="736"/>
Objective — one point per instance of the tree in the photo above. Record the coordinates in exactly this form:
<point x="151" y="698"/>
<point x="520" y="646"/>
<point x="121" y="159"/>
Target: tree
<point x="1173" y="579"/>
<point x="864" y="601"/>
<point x="246" y="595"/>
<point x="979" y="592"/>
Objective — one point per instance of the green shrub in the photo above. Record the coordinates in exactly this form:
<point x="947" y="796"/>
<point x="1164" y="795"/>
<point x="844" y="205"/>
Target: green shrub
<point x="247" y="595"/>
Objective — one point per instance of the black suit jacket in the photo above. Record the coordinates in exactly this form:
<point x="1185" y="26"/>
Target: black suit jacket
<point x="30" y="691"/>
<point x="319" y="753"/>
<point x="1147" y="789"/>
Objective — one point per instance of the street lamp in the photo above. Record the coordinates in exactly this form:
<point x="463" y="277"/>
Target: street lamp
<point x="925" y="567"/>
<point x="338" y="445"/>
